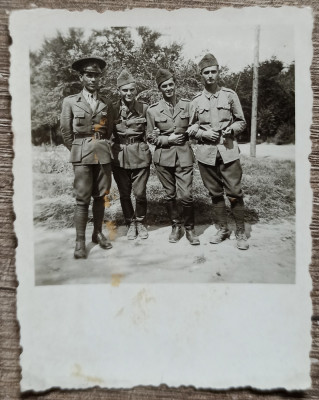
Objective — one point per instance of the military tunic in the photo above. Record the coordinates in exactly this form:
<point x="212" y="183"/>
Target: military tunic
<point x="132" y="157"/>
<point x="85" y="132"/>
<point x="173" y="163"/>
<point x="218" y="161"/>
<point x="129" y="145"/>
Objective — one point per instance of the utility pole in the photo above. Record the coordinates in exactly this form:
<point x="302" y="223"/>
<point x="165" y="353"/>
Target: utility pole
<point x="51" y="140"/>
<point x="255" y="95"/>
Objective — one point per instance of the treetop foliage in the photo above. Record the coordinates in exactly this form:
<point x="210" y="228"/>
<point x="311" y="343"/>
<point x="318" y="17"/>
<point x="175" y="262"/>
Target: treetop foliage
<point x="139" y="51"/>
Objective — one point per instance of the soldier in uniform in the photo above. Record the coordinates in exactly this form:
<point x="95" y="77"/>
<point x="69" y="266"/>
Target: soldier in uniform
<point x="132" y="157"/>
<point x="84" y="127"/>
<point x="218" y="118"/>
<point x="167" y="123"/>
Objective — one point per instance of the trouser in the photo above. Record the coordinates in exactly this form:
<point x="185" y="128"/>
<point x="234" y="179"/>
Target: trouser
<point x="224" y="178"/>
<point x="129" y="180"/>
<point x="177" y="181"/>
<point x="90" y="180"/>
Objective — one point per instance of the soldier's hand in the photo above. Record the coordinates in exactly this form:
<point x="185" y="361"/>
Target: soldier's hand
<point x="211" y="135"/>
<point x="193" y="129"/>
<point x="228" y="131"/>
<point x="176" y="138"/>
<point x="156" y="132"/>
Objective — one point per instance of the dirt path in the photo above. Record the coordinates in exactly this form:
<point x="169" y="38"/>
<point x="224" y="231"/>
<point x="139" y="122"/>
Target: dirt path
<point x="270" y="259"/>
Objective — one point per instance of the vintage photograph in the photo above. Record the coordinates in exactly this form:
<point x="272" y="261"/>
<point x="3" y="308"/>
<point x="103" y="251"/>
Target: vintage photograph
<point x="161" y="155"/>
<point x="162" y="197"/>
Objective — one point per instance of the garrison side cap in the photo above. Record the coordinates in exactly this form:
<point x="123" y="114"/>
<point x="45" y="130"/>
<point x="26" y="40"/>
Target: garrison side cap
<point x="89" y="64"/>
<point x="124" y="78"/>
<point x="162" y="76"/>
<point x="209" y="60"/>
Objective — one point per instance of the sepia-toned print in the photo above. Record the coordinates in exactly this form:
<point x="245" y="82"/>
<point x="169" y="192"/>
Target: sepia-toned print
<point x="156" y="129"/>
<point x="162" y="197"/>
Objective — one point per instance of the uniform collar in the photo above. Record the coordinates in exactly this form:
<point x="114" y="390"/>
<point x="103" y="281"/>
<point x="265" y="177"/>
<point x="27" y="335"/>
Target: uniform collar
<point x="209" y="95"/>
<point x="87" y="94"/>
<point x="84" y="105"/>
<point x="166" y="104"/>
<point x="165" y="108"/>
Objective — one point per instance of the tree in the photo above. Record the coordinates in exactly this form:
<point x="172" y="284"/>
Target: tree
<point x="276" y="98"/>
<point x="140" y="51"/>
<point x="52" y="78"/>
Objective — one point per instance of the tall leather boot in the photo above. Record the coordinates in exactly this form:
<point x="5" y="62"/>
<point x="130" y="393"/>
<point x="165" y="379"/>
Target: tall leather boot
<point x="238" y="210"/>
<point x="174" y="216"/>
<point x="219" y="208"/>
<point x="188" y="213"/>
<point x="80" y="221"/>
<point x="98" y="217"/>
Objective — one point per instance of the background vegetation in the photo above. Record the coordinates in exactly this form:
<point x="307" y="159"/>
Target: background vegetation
<point x="52" y="79"/>
<point x="269" y="187"/>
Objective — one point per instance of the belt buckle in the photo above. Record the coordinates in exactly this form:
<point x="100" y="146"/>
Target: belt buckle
<point x="131" y="140"/>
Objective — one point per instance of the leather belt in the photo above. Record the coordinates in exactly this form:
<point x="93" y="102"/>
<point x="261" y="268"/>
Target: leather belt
<point x="93" y="135"/>
<point x="128" y="140"/>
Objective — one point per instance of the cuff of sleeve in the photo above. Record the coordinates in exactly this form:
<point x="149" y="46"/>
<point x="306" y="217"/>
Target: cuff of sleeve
<point x="163" y="140"/>
<point x="233" y="128"/>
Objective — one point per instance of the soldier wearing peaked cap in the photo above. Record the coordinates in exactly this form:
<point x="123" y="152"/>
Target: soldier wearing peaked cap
<point x="84" y="127"/>
<point x="132" y="157"/>
<point x="167" y="124"/>
<point x="218" y="117"/>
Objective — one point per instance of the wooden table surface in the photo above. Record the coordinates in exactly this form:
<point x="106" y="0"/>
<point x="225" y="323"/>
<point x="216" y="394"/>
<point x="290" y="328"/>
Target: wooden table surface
<point x="9" y="327"/>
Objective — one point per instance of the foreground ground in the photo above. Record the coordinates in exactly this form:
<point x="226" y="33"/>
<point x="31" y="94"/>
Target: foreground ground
<point x="270" y="259"/>
<point x="269" y="194"/>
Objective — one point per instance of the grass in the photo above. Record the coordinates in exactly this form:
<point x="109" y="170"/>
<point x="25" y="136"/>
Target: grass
<point x="268" y="184"/>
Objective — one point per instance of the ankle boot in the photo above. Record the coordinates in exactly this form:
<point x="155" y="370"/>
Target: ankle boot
<point x="132" y="232"/>
<point x="188" y="214"/>
<point x="176" y="233"/>
<point x="222" y="234"/>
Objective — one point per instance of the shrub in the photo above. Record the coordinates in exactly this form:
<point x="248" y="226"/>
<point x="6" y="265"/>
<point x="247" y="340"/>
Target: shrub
<point x="285" y="134"/>
<point x="51" y="160"/>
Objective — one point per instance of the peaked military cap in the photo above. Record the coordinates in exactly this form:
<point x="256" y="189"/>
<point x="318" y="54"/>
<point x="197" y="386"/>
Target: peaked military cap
<point x="162" y="76"/>
<point x="89" y="64"/>
<point x="124" y="78"/>
<point x="207" y="61"/>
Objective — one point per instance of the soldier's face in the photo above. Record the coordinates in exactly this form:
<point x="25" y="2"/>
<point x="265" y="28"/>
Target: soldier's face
<point x="167" y="88"/>
<point x="127" y="92"/>
<point x="210" y="75"/>
<point x="90" y="81"/>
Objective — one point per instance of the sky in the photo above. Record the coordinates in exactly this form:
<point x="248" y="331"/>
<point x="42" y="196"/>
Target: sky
<point x="231" y="40"/>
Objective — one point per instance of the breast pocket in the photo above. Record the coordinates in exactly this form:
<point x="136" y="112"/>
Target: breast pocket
<point x="204" y="116"/>
<point x="224" y="112"/>
<point x="162" y="123"/>
<point x="183" y="120"/>
<point x="79" y="117"/>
